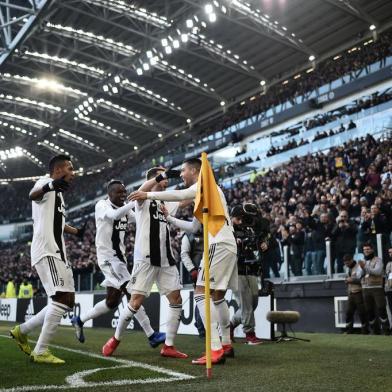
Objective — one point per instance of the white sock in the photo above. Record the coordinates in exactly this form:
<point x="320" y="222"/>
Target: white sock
<point x="222" y="310"/>
<point x="144" y="321"/>
<point x="98" y="309"/>
<point x="33" y="322"/>
<point x="126" y="316"/>
<point x="173" y="322"/>
<point x="200" y="302"/>
<point x="54" y="312"/>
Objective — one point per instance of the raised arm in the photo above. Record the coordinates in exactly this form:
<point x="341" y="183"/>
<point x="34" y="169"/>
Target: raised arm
<point x="189" y="227"/>
<point x="37" y="192"/>
<point x="173" y="195"/>
<point x="118" y="213"/>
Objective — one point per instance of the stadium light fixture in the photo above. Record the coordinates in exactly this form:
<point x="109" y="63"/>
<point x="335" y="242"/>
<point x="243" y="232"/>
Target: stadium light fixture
<point x="29" y="103"/>
<point x="159" y="135"/>
<point x="208" y="8"/>
<point x="164" y="42"/>
<point x="176" y="44"/>
<point x="262" y="83"/>
<point x="139" y="71"/>
<point x="168" y="49"/>
<point x="189" y="23"/>
<point x="188" y="120"/>
<point x="146" y="66"/>
<point x="372" y="27"/>
<point x="212" y="17"/>
<point x="90" y="37"/>
<point x="63" y="63"/>
<point x="312" y="57"/>
<point x="222" y="103"/>
<point x="184" y="37"/>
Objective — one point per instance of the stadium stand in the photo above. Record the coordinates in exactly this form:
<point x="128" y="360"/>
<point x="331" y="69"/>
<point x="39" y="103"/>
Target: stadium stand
<point x="354" y="178"/>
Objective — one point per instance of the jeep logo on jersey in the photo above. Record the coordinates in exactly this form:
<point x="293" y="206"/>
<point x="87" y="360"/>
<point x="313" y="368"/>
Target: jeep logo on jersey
<point x="159" y="216"/>
<point x="122" y="226"/>
<point x="61" y="210"/>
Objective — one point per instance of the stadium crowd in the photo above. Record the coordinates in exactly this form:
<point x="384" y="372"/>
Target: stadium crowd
<point x="344" y="196"/>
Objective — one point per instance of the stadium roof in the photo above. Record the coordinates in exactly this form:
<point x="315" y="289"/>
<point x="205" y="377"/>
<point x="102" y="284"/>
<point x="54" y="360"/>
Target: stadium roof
<point x="99" y="79"/>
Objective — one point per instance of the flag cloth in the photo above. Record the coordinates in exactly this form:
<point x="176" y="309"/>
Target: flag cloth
<point x="210" y="199"/>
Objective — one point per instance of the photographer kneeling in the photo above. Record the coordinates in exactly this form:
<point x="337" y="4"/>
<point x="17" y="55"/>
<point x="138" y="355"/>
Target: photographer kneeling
<point x="249" y="269"/>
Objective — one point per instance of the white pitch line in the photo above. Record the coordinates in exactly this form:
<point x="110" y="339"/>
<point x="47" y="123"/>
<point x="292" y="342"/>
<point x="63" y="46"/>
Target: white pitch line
<point x="76" y="380"/>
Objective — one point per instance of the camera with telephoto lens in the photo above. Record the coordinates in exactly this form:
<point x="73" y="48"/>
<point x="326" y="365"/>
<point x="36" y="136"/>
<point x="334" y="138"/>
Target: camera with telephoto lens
<point x="247" y="240"/>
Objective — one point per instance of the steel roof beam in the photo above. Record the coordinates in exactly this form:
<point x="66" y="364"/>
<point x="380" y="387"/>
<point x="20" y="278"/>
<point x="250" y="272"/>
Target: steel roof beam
<point x="354" y="10"/>
<point x="7" y="19"/>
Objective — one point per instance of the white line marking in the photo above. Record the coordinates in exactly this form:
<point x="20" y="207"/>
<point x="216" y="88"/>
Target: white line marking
<point x="76" y="380"/>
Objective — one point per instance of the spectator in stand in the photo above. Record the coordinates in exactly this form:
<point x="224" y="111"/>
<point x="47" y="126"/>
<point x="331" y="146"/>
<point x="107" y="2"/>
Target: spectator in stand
<point x="373" y="179"/>
<point x="344" y="234"/>
<point x="321" y="232"/>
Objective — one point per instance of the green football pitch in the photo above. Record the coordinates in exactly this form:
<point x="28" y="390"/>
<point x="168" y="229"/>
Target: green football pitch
<point x="328" y="363"/>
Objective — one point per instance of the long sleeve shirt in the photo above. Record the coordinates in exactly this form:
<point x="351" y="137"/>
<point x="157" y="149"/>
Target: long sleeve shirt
<point x="374" y="273"/>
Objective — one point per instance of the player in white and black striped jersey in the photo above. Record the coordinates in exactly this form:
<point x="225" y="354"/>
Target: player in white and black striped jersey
<point x="153" y="263"/>
<point x="48" y="256"/>
<point x="223" y="260"/>
<point x="112" y="217"/>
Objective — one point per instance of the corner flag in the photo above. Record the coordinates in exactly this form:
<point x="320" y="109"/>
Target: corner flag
<point x="209" y="211"/>
<point x="207" y="196"/>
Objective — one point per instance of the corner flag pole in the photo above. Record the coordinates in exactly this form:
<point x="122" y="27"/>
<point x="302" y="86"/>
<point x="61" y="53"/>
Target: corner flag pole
<point x="205" y="190"/>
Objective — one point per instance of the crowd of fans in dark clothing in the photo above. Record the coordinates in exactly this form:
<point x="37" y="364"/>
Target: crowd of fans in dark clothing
<point x="343" y="196"/>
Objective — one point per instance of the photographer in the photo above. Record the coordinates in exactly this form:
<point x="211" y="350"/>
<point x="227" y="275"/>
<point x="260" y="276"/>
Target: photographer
<point x="249" y="269"/>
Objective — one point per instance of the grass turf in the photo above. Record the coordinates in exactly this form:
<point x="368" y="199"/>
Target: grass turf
<point x="328" y="363"/>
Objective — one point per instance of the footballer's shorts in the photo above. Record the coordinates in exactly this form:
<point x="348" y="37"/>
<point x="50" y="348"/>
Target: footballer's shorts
<point x="144" y="275"/>
<point x="223" y="269"/>
<point x="56" y="275"/>
<point x="115" y="271"/>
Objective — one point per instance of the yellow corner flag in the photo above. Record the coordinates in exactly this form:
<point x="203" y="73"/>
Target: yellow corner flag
<point x="207" y="196"/>
<point x="209" y="211"/>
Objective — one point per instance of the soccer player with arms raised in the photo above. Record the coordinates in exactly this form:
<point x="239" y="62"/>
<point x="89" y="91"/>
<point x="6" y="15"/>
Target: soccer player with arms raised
<point x="223" y="260"/>
<point x="112" y="217"/>
<point x="48" y="256"/>
<point x="153" y="263"/>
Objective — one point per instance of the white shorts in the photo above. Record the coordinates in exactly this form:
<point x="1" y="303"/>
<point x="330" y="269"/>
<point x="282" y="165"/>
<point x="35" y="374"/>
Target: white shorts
<point x="115" y="271"/>
<point x="223" y="269"/>
<point x="144" y="275"/>
<point x="56" y="275"/>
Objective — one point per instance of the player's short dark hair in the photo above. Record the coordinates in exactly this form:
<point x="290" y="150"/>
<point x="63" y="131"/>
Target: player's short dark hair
<point x="58" y="160"/>
<point x="153" y="172"/>
<point x="112" y="183"/>
<point x="194" y="162"/>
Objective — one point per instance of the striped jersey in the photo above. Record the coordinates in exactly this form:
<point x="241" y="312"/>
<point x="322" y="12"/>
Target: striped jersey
<point x="110" y="234"/>
<point x="224" y="237"/>
<point x="152" y="241"/>
<point x="48" y="224"/>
